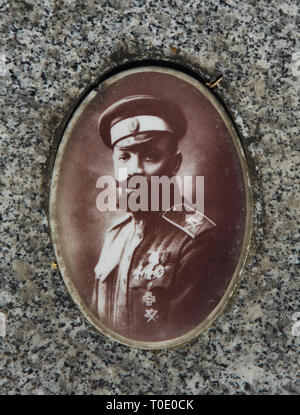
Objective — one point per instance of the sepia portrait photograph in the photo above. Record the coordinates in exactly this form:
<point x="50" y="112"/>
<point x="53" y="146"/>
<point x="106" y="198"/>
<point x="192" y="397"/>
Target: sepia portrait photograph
<point x="149" y="207"/>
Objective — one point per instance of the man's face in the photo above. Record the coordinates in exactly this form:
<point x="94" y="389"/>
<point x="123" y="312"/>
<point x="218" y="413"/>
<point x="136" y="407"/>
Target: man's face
<point x="156" y="157"/>
<point x="151" y="158"/>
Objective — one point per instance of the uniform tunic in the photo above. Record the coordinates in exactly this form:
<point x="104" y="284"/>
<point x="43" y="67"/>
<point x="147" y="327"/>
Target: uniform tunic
<point x="155" y="279"/>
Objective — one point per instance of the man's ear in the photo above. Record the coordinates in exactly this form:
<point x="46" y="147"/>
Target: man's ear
<point x="177" y="164"/>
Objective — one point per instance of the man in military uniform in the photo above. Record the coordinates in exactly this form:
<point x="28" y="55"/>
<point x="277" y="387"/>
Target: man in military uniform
<point x="155" y="274"/>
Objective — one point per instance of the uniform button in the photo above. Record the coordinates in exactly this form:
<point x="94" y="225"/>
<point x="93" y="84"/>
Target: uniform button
<point x="150" y="285"/>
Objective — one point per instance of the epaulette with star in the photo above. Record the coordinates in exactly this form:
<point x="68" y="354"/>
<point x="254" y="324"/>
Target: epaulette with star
<point x="188" y="220"/>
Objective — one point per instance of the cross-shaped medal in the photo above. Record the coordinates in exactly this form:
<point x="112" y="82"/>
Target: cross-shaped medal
<point x="148" y="299"/>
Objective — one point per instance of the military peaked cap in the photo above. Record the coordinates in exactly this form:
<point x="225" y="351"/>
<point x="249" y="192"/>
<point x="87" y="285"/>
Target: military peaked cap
<point x="139" y="118"/>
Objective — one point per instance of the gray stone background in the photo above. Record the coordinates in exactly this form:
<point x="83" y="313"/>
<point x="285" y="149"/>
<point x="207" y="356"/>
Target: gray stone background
<point x="51" y="51"/>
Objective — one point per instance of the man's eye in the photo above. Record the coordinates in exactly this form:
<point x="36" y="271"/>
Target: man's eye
<point x="150" y="157"/>
<point x="123" y="156"/>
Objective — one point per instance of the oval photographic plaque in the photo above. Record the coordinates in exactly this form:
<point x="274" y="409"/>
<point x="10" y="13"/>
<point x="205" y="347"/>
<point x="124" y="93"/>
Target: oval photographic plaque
<point x="150" y="207"/>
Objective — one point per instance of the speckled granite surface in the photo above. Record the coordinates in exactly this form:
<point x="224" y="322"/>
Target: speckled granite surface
<point x="50" y="52"/>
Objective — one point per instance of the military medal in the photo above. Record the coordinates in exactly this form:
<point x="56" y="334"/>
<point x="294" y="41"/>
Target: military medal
<point x="151" y="315"/>
<point x="159" y="271"/>
<point x="148" y="298"/>
<point x="152" y="271"/>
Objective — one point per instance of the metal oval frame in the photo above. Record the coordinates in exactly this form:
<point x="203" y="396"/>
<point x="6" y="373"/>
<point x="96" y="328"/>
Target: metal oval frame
<point x="249" y="210"/>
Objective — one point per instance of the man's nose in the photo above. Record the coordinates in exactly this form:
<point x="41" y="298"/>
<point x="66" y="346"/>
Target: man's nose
<point x="135" y="166"/>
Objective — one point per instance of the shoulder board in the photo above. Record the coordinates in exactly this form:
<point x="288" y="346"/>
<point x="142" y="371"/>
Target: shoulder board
<point x="188" y="220"/>
<point x="120" y="221"/>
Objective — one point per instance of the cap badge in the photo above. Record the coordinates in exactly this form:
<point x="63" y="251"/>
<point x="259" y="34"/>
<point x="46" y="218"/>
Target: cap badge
<point x="133" y="125"/>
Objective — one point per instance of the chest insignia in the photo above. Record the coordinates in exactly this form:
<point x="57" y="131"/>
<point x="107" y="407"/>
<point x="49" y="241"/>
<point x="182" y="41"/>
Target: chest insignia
<point x="150" y="315"/>
<point x="151" y="269"/>
<point x="148" y="298"/>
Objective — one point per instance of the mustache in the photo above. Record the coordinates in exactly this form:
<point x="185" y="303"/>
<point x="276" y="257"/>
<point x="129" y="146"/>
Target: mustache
<point x="124" y="183"/>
